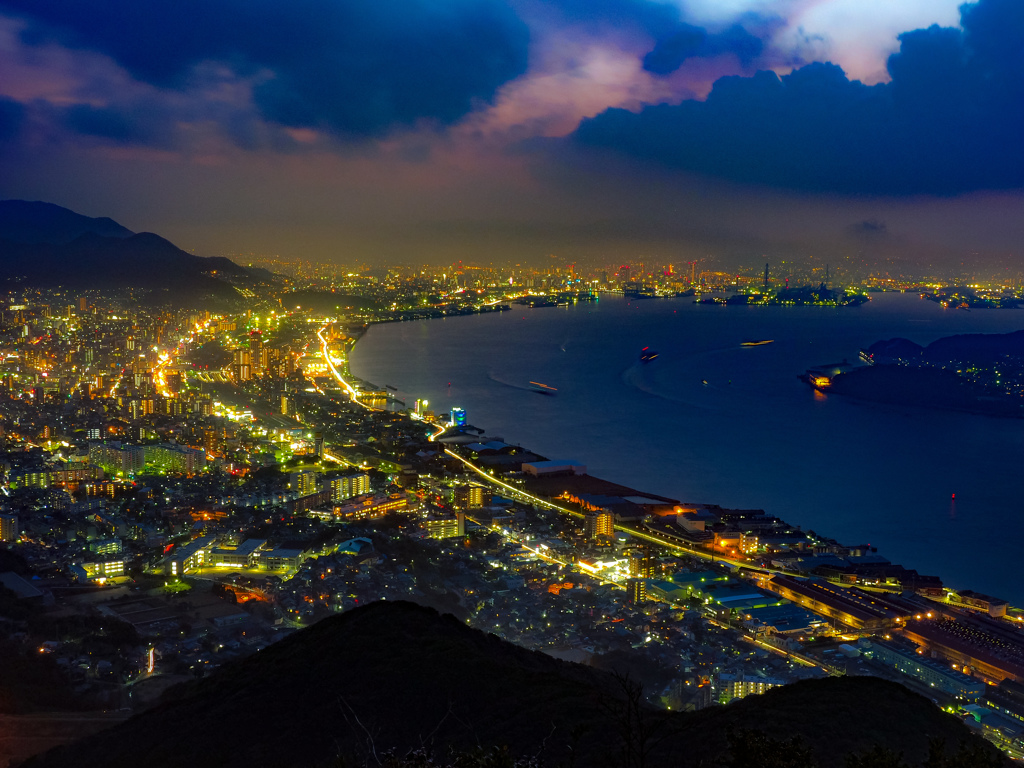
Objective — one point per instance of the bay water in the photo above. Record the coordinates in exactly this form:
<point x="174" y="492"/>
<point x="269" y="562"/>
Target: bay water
<point x="711" y="421"/>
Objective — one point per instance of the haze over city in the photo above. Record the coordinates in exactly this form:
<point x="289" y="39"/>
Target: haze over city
<point x="430" y="132"/>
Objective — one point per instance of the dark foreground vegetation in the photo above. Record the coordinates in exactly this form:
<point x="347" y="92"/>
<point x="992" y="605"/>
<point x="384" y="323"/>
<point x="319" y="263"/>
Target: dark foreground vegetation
<point x="398" y="684"/>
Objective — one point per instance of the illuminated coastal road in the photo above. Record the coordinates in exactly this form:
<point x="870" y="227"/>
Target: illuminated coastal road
<point x="647" y="535"/>
<point x="353" y="395"/>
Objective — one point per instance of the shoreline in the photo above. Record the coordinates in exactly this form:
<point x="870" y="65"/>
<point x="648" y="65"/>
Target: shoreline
<point x="626" y="481"/>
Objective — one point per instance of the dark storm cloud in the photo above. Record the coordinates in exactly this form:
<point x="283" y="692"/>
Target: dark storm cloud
<point x="12" y="115"/>
<point x="871" y="233"/>
<point x="356" y="68"/>
<point x="655" y="18"/>
<point x="146" y="124"/>
<point x="677" y="41"/>
<point x="689" y="42"/>
<point x="950" y="120"/>
<point x="868" y="228"/>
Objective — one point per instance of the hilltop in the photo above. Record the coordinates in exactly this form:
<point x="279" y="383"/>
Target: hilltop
<point x="33" y="222"/>
<point x="45" y="246"/>
<point x="973" y="373"/>
<point x="395" y="675"/>
<point x="974" y="348"/>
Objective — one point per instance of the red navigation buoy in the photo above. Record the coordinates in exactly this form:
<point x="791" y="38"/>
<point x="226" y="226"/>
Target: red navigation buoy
<point x="954" y="497"/>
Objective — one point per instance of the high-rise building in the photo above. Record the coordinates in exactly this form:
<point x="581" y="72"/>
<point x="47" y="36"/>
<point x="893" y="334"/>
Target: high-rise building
<point x="106" y="547"/>
<point x="636" y="591"/>
<point x="468" y="497"/>
<point x="641" y="562"/>
<point x="270" y="361"/>
<point x="256" y="350"/>
<point x="242" y="365"/>
<point x="738" y="686"/>
<point x="174" y="459"/>
<point x="458" y="417"/>
<point x="289" y="364"/>
<point x="115" y="458"/>
<point x="210" y="440"/>
<point x="9" y="528"/>
<point x="598" y="524"/>
<point x="347" y="486"/>
<point x="141" y="407"/>
<point x="446" y="527"/>
<point x="305" y="482"/>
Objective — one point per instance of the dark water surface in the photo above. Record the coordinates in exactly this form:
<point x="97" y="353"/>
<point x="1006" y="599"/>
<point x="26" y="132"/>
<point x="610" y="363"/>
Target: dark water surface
<point x="753" y="435"/>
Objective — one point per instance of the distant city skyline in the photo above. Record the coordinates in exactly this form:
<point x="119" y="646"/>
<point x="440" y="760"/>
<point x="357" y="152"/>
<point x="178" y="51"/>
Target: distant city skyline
<point x="490" y="130"/>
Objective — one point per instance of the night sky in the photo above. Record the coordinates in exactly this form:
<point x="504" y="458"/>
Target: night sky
<point x="434" y="130"/>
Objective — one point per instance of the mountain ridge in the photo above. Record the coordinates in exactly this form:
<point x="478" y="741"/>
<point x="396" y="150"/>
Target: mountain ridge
<point x="37" y="250"/>
<point x="32" y="222"/>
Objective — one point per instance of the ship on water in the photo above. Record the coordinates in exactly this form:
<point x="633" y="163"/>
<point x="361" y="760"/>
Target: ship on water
<point x="543" y="389"/>
<point x="756" y="342"/>
<point x="647" y="355"/>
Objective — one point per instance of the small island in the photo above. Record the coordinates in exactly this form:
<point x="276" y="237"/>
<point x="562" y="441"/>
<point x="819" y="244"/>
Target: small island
<point x="973" y="373"/>
<point x="797" y="296"/>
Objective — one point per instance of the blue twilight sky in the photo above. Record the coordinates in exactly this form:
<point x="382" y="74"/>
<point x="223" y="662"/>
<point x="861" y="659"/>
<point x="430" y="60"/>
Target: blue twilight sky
<point x="431" y="130"/>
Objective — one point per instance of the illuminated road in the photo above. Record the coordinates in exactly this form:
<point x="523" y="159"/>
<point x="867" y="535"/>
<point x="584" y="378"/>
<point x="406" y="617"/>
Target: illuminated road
<point x="170" y="356"/>
<point x="158" y="375"/>
<point x="650" y="536"/>
<point x="353" y="395"/>
<point x="518" y="491"/>
<point x="338" y="459"/>
<point x="647" y="535"/>
<point x="665" y="541"/>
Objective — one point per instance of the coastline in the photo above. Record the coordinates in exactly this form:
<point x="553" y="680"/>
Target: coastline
<point x="914" y="388"/>
<point x="626" y="480"/>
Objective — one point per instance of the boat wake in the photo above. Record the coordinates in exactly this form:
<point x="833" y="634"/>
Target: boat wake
<point x="535" y="387"/>
<point x="634" y="377"/>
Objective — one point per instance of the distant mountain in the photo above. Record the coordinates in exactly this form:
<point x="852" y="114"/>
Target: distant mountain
<point x="394" y="675"/>
<point x="46" y="246"/>
<point x="977" y="348"/>
<point x="895" y="351"/>
<point x="24" y="221"/>
<point x="935" y="376"/>
<point x="144" y="261"/>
